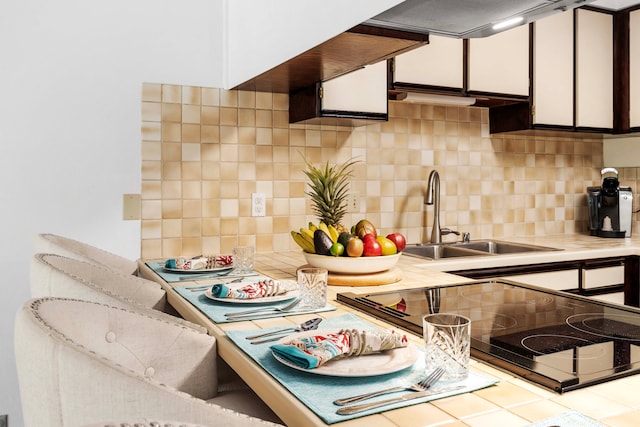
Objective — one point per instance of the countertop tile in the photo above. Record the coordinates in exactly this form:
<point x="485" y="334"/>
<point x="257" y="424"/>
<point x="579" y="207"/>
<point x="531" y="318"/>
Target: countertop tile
<point x="538" y="410"/>
<point x="591" y="404"/>
<point x="465" y="405"/>
<point x="498" y="418"/>
<point x="624" y="391"/>
<point x="534" y="388"/>
<point x="419" y="416"/>
<point x="507" y="394"/>
<point x="494" y="372"/>
<point x="627" y="419"/>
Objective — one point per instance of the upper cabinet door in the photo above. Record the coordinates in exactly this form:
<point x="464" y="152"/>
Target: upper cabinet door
<point x="437" y="64"/>
<point x="500" y="63"/>
<point x="354" y="99"/>
<point x="364" y="90"/>
<point x="553" y="70"/>
<point x="634" y="68"/>
<point x="594" y="69"/>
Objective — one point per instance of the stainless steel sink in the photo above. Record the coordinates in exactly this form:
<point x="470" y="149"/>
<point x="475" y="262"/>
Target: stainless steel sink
<point x="438" y="251"/>
<point x="498" y="247"/>
<point x="476" y="248"/>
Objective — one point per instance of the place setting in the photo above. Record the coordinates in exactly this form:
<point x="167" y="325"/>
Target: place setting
<point x="259" y="297"/>
<point x="344" y="367"/>
<point x="239" y="263"/>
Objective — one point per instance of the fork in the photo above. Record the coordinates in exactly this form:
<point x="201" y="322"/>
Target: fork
<point x="262" y="309"/>
<point x="422" y="385"/>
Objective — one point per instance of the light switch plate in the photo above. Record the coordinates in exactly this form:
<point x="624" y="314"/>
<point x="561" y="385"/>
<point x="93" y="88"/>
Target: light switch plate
<point x="131" y="206"/>
<point x="258" y="204"/>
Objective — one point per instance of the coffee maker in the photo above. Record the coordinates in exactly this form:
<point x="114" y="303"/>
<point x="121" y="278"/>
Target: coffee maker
<point x="610" y="207"/>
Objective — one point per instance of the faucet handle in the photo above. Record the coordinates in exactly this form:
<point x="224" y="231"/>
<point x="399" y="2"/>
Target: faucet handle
<point x="445" y="231"/>
<point x="466" y="237"/>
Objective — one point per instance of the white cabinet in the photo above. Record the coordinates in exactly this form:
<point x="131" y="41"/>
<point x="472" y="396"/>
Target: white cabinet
<point x="437" y="64"/>
<point x="592" y="277"/>
<point x="553" y="70"/>
<point x="634" y="68"/>
<point x="605" y="276"/>
<point x="594" y="69"/>
<point x="557" y="280"/>
<point x="354" y="99"/>
<point x="364" y="90"/>
<point x="500" y="63"/>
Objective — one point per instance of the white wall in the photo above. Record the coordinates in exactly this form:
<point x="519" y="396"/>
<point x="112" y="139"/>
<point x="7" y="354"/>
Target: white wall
<point x="70" y="84"/>
<point x="70" y="79"/>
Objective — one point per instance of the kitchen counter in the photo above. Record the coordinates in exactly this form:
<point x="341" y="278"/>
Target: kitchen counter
<point x="513" y="401"/>
<point x="573" y="247"/>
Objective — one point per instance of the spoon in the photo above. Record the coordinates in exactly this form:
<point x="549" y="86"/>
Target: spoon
<point x="305" y="326"/>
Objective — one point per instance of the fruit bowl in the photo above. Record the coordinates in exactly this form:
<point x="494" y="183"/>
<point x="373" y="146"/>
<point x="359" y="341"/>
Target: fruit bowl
<point x="352" y="265"/>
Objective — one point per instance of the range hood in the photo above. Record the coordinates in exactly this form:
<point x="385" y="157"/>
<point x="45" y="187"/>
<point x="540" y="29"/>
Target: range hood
<point x="468" y="18"/>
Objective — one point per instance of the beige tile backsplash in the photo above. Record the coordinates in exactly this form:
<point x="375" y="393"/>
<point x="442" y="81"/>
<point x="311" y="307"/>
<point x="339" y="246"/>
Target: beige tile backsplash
<point x="206" y="150"/>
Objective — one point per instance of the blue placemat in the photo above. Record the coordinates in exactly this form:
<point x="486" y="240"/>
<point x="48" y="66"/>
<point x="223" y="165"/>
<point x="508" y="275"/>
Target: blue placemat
<point x="318" y="392"/>
<point x="567" y="419"/>
<point x="171" y="277"/>
<point x="216" y="310"/>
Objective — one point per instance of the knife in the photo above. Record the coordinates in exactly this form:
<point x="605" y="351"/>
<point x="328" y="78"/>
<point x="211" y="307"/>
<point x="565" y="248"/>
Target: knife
<point x="354" y="409"/>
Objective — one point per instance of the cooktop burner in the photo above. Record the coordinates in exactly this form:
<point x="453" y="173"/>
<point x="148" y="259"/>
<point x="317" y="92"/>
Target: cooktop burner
<point x="559" y="340"/>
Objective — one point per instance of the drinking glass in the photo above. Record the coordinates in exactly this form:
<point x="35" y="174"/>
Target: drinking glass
<point x="243" y="259"/>
<point x="447" y="344"/>
<point x="313" y="287"/>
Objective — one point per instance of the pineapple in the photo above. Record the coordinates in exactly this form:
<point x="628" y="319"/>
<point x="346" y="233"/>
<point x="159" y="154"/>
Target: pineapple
<point x="329" y="187"/>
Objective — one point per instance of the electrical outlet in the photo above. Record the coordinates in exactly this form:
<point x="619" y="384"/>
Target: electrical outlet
<point x="4" y="420"/>
<point x="258" y="204"/>
<point x="353" y="203"/>
<point x="130" y="209"/>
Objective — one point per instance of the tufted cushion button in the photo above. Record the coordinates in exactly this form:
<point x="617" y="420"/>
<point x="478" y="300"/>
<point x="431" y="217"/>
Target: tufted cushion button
<point x="110" y="337"/>
<point x="149" y="372"/>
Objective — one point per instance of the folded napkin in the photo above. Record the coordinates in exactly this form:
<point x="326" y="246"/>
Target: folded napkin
<point x="263" y="288"/>
<point x="199" y="262"/>
<point x="313" y="350"/>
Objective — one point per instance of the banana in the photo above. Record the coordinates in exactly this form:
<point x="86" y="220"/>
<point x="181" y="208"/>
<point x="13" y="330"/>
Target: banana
<point x="322" y="226"/>
<point x="302" y="242"/>
<point x="312" y="226"/>
<point x="307" y="234"/>
<point x="333" y="233"/>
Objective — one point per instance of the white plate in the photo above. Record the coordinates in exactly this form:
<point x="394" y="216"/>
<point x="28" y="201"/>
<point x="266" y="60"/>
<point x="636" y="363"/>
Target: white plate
<point x="202" y="270"/>
<point x="385" y="362"/>
<point x="262" y="300"/>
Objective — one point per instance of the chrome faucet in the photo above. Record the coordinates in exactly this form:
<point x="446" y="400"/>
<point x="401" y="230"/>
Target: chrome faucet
<point x="433" y="198"/>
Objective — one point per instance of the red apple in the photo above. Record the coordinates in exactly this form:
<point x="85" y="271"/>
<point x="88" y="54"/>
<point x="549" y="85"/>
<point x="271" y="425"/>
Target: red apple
<point x="371" y="246"/>
<point x="399" y="240"/>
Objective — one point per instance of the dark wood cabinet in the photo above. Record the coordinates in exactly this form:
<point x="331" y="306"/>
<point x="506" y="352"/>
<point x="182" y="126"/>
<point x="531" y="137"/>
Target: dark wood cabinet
<point x="347" y="52"/>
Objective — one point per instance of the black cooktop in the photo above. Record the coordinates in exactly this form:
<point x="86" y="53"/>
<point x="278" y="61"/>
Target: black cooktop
<point x="556" y="339"/>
